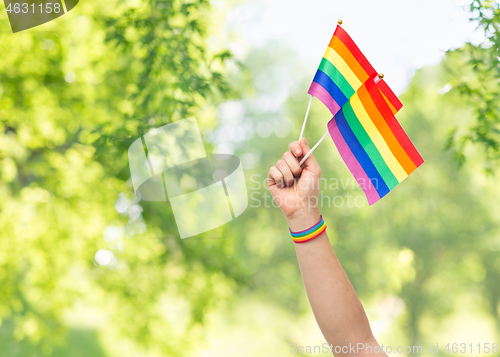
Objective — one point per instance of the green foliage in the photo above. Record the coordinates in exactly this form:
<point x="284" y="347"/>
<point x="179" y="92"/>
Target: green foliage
<point x="475" y="73"/>
<point x="63" y="166"/>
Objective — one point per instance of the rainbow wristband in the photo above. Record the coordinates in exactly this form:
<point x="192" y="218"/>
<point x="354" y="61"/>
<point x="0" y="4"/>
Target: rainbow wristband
<point x="310" y="233"/>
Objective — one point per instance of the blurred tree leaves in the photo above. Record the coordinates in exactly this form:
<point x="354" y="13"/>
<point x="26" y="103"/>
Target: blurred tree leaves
<point x="73" y="96"/>
<point x="475" y="73"/>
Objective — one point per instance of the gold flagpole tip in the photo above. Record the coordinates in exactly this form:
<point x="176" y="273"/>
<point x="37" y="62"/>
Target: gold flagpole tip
<point x="340" y="22"/>
<point x="381" y="76"/>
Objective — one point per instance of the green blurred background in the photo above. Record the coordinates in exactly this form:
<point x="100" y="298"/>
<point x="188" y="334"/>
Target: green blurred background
<point x="76" y="92"/>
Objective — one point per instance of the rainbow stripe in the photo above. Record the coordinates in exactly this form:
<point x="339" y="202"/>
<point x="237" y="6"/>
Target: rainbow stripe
<point x="372" y="143"/>
<point x="309" y="234"/>
<point x="342" y="71"/>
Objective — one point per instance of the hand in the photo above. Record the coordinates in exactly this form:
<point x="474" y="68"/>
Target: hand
<point x="295" y="189"/>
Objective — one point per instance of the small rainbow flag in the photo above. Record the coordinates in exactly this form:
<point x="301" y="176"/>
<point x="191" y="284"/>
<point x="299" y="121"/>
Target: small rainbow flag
<point x="342" y="71"/>
<point x="371" y="141"/>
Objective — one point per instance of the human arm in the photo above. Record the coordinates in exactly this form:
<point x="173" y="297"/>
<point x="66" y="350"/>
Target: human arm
<point x="334" y="302"/>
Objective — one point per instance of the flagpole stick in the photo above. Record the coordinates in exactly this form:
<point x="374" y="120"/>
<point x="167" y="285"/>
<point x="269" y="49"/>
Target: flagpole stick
<point x="314" y="148"/>
<point x="305" y="119"/>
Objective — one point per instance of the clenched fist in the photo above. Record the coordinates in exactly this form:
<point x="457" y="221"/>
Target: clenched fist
<point x="294" y="188"/>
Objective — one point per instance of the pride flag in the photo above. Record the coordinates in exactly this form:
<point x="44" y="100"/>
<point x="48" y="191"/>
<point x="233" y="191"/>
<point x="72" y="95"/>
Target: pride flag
<point x="371" y="141"/>
<point x="342" y="71"/>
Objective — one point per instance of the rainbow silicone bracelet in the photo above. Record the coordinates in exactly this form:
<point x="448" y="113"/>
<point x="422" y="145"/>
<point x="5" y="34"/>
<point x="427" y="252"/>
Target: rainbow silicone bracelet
<point x="310" y="233"/>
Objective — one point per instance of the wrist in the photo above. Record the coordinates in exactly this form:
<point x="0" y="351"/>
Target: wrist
<point x="303" y="219"/>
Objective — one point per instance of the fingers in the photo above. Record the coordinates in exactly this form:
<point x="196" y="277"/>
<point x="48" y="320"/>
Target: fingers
<point x="295" y="148"/>
<point x="282" y="175"/>
<point x="293" y="163"/>
<point x="275" y="177"/>
<point x="311" y="162"/>
<point x="287" y="173"/>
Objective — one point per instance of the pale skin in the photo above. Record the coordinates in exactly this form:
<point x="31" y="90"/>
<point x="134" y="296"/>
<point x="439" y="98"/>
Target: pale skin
<point x="334" y="302"/>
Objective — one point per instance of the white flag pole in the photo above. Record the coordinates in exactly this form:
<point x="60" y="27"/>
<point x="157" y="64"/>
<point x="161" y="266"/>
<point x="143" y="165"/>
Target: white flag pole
<point x="376" y="80"/>
<point x="305" y="119"/>
<point x="314" y="148"/>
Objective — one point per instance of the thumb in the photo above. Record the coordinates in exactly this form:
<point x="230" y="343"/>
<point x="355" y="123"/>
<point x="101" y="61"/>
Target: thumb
<point x="311" y="163"/>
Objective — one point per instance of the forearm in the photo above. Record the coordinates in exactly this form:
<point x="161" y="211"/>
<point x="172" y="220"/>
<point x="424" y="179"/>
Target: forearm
<point x="334" y="302"/>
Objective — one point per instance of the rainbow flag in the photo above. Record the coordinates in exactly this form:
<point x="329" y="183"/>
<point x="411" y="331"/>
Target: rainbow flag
<point x="342" y="71"/>
<point x="371" y="141"/>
